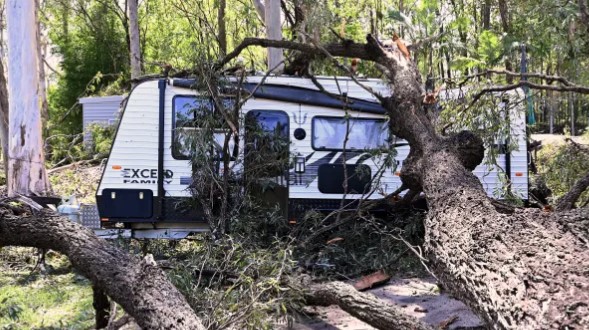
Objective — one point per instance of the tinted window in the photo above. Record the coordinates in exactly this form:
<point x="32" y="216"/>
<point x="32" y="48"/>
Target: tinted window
<point x="189" y="113"/>
<point x="186" y="109"/>
<point x="267" y="142"/>
<point x="329" y="133"/>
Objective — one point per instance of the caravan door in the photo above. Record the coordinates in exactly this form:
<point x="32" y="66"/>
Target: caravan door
<point x="267" y="157"/>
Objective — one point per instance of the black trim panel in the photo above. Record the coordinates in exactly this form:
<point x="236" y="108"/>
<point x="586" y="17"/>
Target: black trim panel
<point x="301" y="95"/>
<point x="160" y="151"/>
<point x="332" y="177"/>
<point x="126" y="203"/>
<point x="177" y="210"/>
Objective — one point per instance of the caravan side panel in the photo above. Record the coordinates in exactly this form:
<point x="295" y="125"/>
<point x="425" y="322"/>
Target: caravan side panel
<point x="132" y="164"/>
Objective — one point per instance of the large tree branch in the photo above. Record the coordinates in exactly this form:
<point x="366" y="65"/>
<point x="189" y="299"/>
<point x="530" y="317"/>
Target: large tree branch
<point x="568" y="201"/>
<point x="525" y="83"/>
<point x="352" y="49"/>
<point x="548" y="78"/>
<point x="139" y="286"/>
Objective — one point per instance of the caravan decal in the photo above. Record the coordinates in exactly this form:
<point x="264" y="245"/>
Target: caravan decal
<point x="145" y="175"/>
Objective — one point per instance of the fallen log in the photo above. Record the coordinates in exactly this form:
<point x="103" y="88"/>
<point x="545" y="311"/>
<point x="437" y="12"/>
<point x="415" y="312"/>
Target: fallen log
<point x="138" y="285"/>
<point x="568" y="201"/>
<point x="364" y="306"/>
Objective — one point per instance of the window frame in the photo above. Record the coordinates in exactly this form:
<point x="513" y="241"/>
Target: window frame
<point x="387" y="142"/>
<point x="270" y="110"/>
<point x="174" y="151"/>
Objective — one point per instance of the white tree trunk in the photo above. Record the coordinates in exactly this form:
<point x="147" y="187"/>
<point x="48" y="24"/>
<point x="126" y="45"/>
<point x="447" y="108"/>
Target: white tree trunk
<point x="274" y="32"/>
<point x="259" y="5"/>
<point x="26" y="163"/>
<point x="42" y="82"/>
<point x="135" y="48"/>
<point x="3" y="101"/>
<point x="3" y="117"/>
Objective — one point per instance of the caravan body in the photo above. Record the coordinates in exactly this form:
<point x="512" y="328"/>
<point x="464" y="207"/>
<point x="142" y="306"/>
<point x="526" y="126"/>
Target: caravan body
<point x="145" y="176"/>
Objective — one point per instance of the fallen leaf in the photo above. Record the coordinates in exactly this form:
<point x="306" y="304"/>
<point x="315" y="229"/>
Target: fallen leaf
<point x="369" y="281"/>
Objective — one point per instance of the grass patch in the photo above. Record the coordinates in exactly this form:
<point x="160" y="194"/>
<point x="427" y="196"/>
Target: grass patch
<point x="62" y="301"/>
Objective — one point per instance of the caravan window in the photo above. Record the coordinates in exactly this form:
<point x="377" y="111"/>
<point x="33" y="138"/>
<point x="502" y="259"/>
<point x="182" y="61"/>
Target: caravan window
<point x="188" y="115"/>
<point x="186" y="109"/>
<point x="267" y="142"/>
<point x="329" y="133"/>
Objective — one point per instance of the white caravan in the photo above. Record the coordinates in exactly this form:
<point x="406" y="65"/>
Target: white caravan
<point x="147" y="174"/>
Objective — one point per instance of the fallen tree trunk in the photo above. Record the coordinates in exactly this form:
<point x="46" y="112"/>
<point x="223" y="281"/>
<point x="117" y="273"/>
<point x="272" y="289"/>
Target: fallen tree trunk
<point x="568" y="201"/>
<point x="519" y="269"/>
<point x="364" y="306"/>
<point x="138" y="285"/>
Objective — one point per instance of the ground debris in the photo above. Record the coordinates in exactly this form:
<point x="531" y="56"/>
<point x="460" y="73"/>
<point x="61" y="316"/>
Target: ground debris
<point x="372" y="280"/>
<point x="446" y="323"/>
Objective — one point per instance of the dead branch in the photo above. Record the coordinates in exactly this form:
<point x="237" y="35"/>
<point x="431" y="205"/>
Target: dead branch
<point x="578" y="146"/>
<point x="79" y="163"/>
<point x="364" y="306"/>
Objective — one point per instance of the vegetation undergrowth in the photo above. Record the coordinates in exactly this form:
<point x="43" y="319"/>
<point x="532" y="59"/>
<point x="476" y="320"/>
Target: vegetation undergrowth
<point x="55" y="299"/>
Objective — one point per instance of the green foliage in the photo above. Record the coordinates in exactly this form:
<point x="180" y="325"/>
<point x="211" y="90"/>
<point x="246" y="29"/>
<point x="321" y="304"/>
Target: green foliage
<point x="102" y="138"/>
<point x="362" y="245"/>
<point x="489" y="47"/>
<point x="234" y="285"/>
<point x="64" y="148"/>
<point x="59" y="300"/>
<point x="90" y="40"/>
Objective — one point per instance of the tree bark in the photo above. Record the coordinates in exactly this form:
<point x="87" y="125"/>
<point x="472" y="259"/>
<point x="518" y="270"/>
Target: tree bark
<point x="26" y="160"/>
<point x="363" y="306"/>
<point x="568" y="201"/>
<point x="138" y="285"/>
<point x="222" y="29"/>
<point x="274" y="32"/>
<point x="4" y="118"/>
<point x="44" y="105"/>
<point x="134" y="45"/>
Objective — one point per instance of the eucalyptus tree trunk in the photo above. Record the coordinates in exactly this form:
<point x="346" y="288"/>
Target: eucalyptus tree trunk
<point x="260" y="9"/>
<point x="506" y="24"/>
<point x="134" y="43"/>
<point x="222" y="27"/>
<point x="42" y="77"/>
<point x="140" y="286"/>
<point x="3" y="117"/>
<point x="274" y="32"/>
<point x="26" y="160"/>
